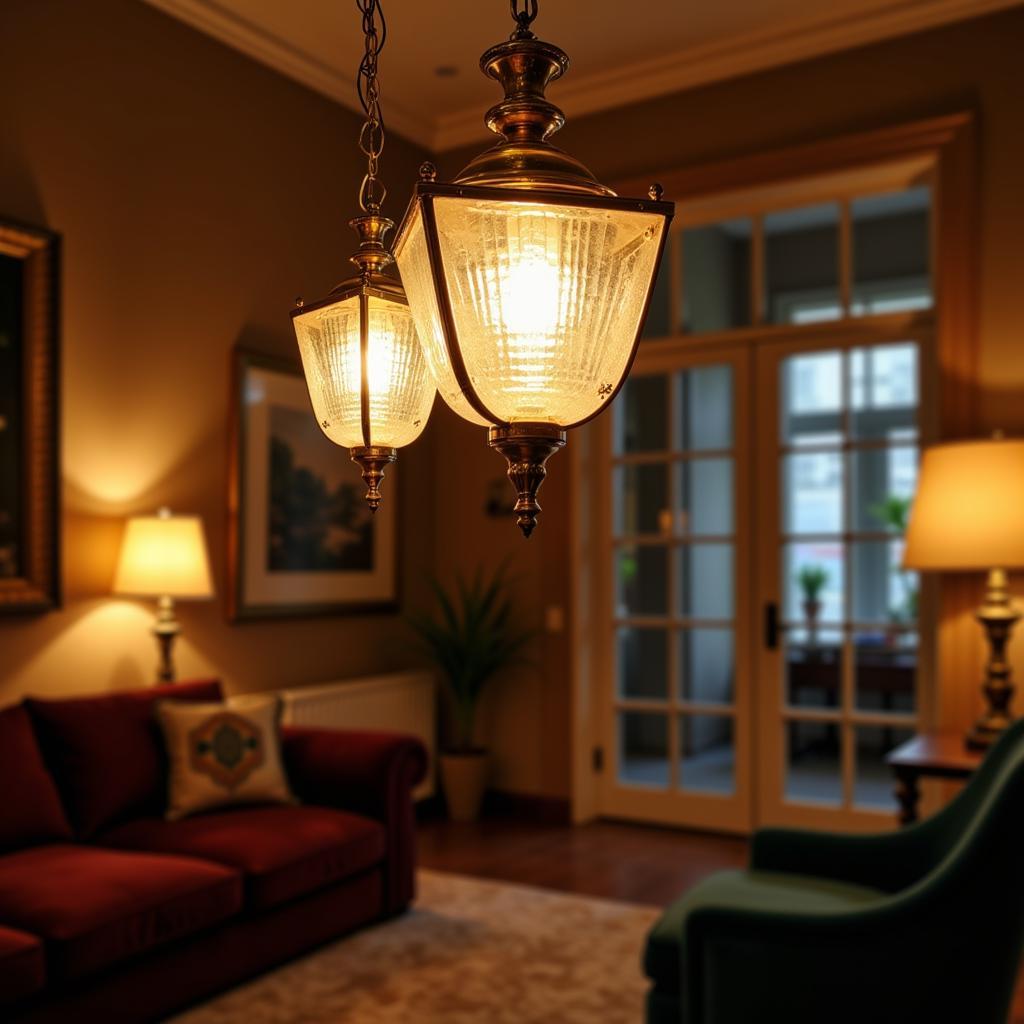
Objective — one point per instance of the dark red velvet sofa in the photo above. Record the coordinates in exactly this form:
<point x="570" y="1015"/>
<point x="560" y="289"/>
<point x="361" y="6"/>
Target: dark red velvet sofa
<point x="110" y="913"/>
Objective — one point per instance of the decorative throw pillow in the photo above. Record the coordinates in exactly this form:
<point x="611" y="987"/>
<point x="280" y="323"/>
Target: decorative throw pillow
<point x="223" y="754"/>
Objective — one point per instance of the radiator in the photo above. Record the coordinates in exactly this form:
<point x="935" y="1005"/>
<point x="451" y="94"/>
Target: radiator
<point x="402" y="702"/>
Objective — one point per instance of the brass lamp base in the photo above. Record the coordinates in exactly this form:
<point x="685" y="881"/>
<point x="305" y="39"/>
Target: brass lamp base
<point x="372" y="459"/>
<point x="165" y="629"/>
<point x="998" y="616"/>
<point x="527" y="447"/>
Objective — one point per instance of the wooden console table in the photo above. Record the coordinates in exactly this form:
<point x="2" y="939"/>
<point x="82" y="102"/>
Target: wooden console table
<point x="930" y="755"/>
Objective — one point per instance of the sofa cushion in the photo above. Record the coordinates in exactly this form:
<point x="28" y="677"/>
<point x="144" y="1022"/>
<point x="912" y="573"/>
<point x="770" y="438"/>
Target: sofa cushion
<point x="282" y="851"/>
<point x="95" y="907"/>
<point x="744" y="890"/>
<point x="32" y="811"/>
<point x="22" y="965"/>
<point x="106" y="752"/>
<point x="223" y="755"/>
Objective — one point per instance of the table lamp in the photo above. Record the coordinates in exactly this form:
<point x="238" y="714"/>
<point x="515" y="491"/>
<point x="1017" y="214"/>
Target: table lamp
<point x="968" y="515"/>
<point x="164" y="556"/>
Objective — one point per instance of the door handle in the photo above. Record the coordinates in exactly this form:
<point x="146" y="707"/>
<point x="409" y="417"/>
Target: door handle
<point x="771" y="626"/>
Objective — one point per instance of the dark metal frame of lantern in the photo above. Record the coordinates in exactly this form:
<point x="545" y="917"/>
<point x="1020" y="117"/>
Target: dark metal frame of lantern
<point x="523" y="168"/>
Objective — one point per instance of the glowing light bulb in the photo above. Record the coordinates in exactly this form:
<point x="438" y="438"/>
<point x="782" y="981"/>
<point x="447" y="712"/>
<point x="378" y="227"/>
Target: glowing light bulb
<point x="399" y="388"/>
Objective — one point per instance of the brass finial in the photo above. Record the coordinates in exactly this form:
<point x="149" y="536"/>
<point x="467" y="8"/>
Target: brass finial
<point x="372" y="460"/>
<point x="527" y="447"/>
<point x="428" y="172"/>
<point x="656" y="192"/>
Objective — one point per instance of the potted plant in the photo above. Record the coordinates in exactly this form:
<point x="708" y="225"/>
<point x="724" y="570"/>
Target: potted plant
<point x="470" y="637"/>
<point x="894" y="514"/>
<point x="812" y="580"/>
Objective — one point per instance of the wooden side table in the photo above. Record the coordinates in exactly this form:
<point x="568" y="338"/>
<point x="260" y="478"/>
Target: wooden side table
<point x="929" y="755"/>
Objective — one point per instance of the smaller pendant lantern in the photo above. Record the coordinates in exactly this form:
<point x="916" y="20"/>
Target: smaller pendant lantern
<point x="368" y="381"/>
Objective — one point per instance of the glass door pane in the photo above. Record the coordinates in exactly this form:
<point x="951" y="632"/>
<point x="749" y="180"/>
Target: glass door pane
<point x="675" y="601"/>
<point x="845" y="667"/>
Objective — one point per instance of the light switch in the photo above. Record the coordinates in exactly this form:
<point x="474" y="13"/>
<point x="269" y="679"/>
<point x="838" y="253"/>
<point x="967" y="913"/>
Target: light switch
<point x="554" y="618"/>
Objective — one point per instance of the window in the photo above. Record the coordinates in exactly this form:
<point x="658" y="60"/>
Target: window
<point x="858" y="255"/>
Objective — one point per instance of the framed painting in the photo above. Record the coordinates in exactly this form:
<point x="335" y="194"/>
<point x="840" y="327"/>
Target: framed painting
<point x="29" y="419"/>
<point x="301" y="539"/>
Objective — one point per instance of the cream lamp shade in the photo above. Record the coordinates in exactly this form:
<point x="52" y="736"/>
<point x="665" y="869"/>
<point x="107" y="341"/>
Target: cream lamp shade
<point x="164" y="556"/>
<point x="968" y="513"/>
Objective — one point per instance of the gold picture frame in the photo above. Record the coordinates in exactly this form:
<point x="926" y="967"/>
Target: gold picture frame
<point x="29" y="419"/>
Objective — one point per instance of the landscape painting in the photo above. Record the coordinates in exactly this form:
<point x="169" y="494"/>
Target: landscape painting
<point x="302" y="540"/>
<point x="318" y="520"/>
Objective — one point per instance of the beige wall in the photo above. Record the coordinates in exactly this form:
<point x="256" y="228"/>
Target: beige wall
<point x="525" y="715"/>
<point x="198" y="193"/>
<point x="972" y="65"/>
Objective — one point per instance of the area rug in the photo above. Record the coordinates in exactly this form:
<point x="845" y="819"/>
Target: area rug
<point x="470" y="951"/>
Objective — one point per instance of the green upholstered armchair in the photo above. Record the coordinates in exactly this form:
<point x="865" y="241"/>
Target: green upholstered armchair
<point x="920" y="925"/>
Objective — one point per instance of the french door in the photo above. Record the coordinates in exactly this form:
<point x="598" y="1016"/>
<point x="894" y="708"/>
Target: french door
<point x="759" y="652"/>
<point x="674" y="509"/>
<point x="839" y="427"/>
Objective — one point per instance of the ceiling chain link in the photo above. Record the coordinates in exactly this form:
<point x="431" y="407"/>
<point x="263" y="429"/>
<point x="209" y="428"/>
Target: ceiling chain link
<point x="523" y="18"/>
<point x="371" y="137"/>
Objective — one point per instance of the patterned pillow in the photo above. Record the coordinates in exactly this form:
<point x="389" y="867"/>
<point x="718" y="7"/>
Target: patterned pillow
<point x="223" y="754"/>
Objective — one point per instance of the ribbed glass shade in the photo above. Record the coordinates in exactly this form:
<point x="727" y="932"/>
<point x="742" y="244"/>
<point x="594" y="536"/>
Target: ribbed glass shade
<point x="546" y="301"/>
<point x="400" y="389"/>
<point x="414" y="266"/>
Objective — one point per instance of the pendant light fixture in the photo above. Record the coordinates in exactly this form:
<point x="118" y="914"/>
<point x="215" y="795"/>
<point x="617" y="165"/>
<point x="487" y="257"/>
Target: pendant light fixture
<point x="528" y="279"/>
<point x="368" y="382"/>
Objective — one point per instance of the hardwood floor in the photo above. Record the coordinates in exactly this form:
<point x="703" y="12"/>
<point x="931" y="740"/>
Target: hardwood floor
<point x="622" y="862"/>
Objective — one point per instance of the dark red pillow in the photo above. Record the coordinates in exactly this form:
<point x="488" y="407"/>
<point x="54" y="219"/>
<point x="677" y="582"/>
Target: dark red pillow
<point x="31" y="805"/>
<point x="106" y="752"/>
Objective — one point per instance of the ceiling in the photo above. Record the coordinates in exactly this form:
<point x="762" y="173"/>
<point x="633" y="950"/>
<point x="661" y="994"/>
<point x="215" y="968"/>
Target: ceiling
<point x="621" y="52"/>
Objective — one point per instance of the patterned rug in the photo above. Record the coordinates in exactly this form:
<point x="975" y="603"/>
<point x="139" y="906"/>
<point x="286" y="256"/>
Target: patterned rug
<point x="470" y="951"/>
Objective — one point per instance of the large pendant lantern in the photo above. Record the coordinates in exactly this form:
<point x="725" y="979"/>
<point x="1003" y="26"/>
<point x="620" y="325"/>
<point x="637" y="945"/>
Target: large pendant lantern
<point x="529" y="281"/>
<point x="368" y="382"/>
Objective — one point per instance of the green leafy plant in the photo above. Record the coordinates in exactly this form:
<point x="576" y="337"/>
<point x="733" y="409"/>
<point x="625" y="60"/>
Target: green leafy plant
<point x="812" y="580"/>
<point x="470" y="636"/>
<point x="893" y="512"/>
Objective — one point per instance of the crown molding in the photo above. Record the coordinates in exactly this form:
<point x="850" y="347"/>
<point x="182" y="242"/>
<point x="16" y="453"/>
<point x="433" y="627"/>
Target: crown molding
<point x="740" y="55"/>
<point x="589" y="93"/>
<point x="268" y="49"/>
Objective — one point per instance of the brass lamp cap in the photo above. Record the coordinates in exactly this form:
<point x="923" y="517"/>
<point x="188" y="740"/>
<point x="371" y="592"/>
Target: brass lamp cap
<point x="525" y="119"/>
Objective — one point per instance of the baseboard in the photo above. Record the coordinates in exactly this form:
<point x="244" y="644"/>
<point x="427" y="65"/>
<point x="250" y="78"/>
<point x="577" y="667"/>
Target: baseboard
<point x="430" y="808"/>
<point x="498" y="803"/>
<point x="542" y="810"/>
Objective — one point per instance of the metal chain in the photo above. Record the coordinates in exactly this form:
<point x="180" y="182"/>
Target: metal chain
<point x="371" y="137"/>
<point x="523" y="18"/>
